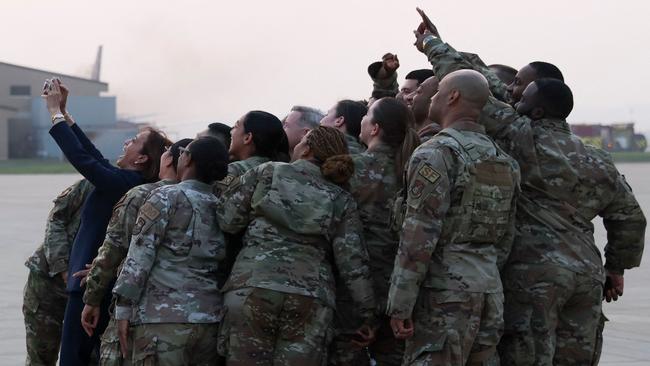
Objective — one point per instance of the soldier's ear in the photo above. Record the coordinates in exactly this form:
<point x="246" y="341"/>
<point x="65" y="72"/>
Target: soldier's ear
<point x="248" y="138"/>
<point x="454" y="97"/>
<point x="339" y="121"/>
<point x="141" y="159"/>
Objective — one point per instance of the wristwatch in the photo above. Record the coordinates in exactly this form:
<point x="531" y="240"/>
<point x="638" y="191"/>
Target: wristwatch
<point x="58" y="116"/>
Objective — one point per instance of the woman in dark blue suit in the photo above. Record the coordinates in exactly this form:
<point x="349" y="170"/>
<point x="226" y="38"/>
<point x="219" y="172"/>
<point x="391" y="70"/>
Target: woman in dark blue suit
<point x="139" y="164"/>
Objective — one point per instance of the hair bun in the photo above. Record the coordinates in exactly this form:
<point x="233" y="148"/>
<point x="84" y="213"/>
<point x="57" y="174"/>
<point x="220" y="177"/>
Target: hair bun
<point x="338" y="169"/>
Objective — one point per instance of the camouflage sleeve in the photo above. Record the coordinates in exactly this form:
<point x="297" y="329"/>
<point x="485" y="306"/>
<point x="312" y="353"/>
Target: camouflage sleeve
<point x="625" y="225"/>
<point x="505" y="244"/>
<point x="58" y="241"/>
<point x="384" y="86"/>
<point x="234" y="204"/>
<point x="427" y="203"/>
<point x="149" y="229"/>
<point x="113" y="250"/>
<point x="352" y="260"/>
<point x="445" y="60"/>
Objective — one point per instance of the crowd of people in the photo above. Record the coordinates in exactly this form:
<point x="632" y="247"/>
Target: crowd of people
<point x="443" y="222"/>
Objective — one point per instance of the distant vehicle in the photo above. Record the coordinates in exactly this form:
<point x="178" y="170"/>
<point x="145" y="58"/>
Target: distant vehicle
<point x="614" y="137"/>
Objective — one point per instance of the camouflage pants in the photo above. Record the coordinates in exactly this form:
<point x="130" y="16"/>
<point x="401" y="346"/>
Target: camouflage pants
<point x="455" y="328"/>
<point x="110" y="353"/>
<point x="386" y="349"/>
<point x="551" y="316"/>
<point x="44" y="301"/>
<point x="341" y="352"/>
<point x="265" y="327"/>
<point x="175" y="344"/>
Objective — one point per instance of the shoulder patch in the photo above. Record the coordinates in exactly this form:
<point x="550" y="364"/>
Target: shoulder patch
<point x="427" y="172"/>
<point x="65" y="192"/>
<point x="228" y="179"/>
<point x="149" y="211"/>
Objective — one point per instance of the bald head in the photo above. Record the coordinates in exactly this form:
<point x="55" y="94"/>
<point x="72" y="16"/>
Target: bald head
<point x="461" y="94"/>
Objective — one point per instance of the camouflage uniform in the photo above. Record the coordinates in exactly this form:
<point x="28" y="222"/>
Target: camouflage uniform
<point x="234" y="241"/>
<point x="373" y="186"/>
<point x="168" y="286"/>
<point x="565" y="185"/>
<point x="107" y="264"/>
<point x="280" y="294"/>
<point x="354" y="146"/>
<point x="457" y="229"/>
<point x="44" y="296"/>
<point x="385" y="86"/>
<point x="427" y="132"/>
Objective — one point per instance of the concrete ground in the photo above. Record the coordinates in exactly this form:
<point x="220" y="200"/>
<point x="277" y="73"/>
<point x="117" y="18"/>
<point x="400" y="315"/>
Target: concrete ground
<point x="26" y="199"/>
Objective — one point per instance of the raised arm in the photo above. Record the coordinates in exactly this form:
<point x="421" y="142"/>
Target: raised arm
<point x="384" y="75"/>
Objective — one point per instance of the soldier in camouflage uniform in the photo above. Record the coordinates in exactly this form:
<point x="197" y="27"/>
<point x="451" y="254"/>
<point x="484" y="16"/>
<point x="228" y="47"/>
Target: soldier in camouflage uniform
<point x="418" y="101"/>
<point x="257" y="137"/>
<point x="346" y="117"/>
<point x="457" y="229"/>
<point x="386" y="129"/>
<point x="167" y="290"/>
<point x="44" y="296"/>
<point x="384" y="77"/>
<point x="554" y="249"/>
<point x="106" y="266"/>
<point x="300" y="229"/>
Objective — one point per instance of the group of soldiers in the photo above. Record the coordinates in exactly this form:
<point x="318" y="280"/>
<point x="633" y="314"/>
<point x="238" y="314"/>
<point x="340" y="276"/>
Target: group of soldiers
<point x="446" y="222"/>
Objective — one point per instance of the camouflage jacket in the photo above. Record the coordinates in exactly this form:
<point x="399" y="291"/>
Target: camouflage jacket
<point x="428" y="131"/>
<point x="169" y="275"/>
<point x="374" y="186"/>
<point x="51" y="257"/>
<point x="237" y="168"/>
<point x="105" y="266"/>
<point x="299" y="229"/>
<point x="354" y="146"/>
<point x="459" y="221"/>
<point x="386" y="85"/>
<point x="565" y="184"/>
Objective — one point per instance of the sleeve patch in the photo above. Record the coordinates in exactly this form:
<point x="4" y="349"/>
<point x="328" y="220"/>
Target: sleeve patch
<point x="228" y="179"/>
<point x="427" y="172"/>
<point x="65" y="192"/>
<point x="149" y="211"/>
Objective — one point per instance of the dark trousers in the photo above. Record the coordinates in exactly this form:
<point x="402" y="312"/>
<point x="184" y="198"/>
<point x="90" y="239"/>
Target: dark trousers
<point x="77" y="349"/>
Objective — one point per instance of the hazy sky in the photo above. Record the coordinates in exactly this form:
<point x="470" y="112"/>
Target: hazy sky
<point x="187" y="63"/>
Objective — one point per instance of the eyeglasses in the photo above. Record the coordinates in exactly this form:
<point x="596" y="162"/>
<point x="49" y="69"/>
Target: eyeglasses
<point x="184" y="150"/>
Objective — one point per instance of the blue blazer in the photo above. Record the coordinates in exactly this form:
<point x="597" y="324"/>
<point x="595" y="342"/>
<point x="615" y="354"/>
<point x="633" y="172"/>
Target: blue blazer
<point x="110" y="182"/>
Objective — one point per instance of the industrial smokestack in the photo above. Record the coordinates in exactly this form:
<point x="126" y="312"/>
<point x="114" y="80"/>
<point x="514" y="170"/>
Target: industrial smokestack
<point x="98" y="65"/>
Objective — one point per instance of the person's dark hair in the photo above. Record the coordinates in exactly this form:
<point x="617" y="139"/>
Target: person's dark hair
<point x="352" y="112"/>
<point x="546" y="70"/>
<point x="175" y="150"/>
<point x="153" y="147"/>
<point x="220" y="131"/>
<point x="268" y="135"/>
<point x="420" y="75"/>
<point x="504" y="72"/>
<point x="555" y="97"/>
<point x="210" y="158"/>
<point x="331" y="153"/>
<point x="395" y="120"/>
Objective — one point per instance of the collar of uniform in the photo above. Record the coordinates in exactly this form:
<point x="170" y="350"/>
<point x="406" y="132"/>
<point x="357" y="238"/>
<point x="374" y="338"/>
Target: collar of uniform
<point x="352" y="140"/>
<point x="307" y="166"/>
<point x="196" y="185"/>
<point x="554" y="123"/>
<point x="167" y="181"/>
<point x="381" y="148"/>
<point x="258" y="160"/>
<point x="467" y="126"/>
